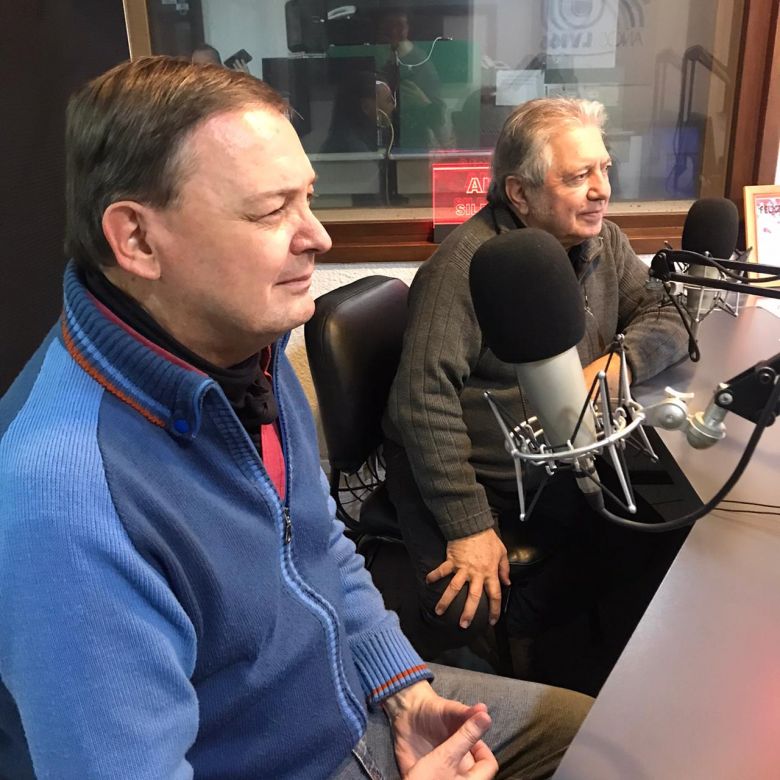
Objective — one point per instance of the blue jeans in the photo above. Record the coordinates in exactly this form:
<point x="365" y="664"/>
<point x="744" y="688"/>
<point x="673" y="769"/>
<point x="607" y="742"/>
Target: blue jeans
<point x="532" y="726"/>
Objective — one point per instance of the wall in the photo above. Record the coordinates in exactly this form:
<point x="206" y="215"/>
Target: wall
<point x="47" y="49"/>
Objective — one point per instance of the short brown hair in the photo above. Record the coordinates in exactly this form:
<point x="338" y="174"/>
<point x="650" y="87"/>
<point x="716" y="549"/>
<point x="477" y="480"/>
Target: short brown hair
<point x="522" y="149"/>
<point x="124" y="138"/>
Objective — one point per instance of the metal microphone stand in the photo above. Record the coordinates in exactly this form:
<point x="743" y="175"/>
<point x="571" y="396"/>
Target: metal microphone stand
<point x="753" y="394"/>
<point x="667" y="269"/>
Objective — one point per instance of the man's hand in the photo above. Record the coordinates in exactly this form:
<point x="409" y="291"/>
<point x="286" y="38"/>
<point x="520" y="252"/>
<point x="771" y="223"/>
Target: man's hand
<point x="479" y="560"/>
<point x="613" y="374"/>
<point x="241" y="65"/>
<point x="437" y="738"/>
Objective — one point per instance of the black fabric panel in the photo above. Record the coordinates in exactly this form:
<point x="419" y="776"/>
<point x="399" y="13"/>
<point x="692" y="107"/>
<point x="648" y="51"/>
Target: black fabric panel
<point x="47" y="49"/>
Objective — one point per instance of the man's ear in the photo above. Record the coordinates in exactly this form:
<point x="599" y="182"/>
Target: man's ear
<point x="125" y="226"/>
<point x="516" y="194"/>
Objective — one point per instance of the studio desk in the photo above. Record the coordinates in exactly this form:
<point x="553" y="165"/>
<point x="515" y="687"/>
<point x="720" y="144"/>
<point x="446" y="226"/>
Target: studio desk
<point x="696" y="692"/>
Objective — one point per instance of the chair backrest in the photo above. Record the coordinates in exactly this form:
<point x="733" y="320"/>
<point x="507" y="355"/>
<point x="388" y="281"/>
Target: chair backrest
<point x="353" y="343"/>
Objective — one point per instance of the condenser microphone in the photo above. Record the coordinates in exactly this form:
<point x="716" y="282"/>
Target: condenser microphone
<point x="530" y="308"/>
<point x="711" y="228"/>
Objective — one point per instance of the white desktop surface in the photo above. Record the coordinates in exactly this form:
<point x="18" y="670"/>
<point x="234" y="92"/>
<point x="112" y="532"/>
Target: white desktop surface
<point x="696" y="693"/>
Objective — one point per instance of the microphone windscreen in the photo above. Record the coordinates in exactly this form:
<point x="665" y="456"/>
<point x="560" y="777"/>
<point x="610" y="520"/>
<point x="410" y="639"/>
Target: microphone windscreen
<point x="526" y="296"/>
<point x="711" y="226"/>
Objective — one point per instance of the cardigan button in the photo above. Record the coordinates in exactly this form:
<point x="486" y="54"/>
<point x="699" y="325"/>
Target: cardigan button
<point x="181" y="426"/>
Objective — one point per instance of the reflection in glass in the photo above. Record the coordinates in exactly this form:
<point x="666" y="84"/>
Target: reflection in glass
<point x="380" y="90"/>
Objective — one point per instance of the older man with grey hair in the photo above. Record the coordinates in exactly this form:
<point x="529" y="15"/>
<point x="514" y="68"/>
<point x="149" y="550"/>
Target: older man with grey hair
<point x="448" y="472"/>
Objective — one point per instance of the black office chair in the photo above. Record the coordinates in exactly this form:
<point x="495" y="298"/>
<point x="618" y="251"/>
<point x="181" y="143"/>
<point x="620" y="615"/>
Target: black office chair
<point x="353" y="343"/>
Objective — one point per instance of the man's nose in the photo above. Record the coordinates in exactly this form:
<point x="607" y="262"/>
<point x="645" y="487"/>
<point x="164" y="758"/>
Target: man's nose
<point x="600" y="188"/>
<point x="312" y="237"/>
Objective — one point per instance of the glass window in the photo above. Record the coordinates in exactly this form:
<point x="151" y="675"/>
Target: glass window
<point x="381" y="91"/>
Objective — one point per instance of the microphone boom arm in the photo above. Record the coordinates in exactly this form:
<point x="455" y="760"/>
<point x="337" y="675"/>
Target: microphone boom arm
<point x="663" y="264"/>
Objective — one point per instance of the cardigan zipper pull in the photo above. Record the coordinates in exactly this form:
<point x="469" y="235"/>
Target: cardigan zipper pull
<point x="287" y="526"/>
<point x="588" y="310"/>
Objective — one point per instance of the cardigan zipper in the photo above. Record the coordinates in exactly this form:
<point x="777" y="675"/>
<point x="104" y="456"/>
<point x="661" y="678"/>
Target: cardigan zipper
<point x="283" y="442"/>
<point x="350" y="706"/>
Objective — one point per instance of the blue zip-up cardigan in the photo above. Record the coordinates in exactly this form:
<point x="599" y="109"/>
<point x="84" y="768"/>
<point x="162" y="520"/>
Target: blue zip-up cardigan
<point x="157" y="619"/>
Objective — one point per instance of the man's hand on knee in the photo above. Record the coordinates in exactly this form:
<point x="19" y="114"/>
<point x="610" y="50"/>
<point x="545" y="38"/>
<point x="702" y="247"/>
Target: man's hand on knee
<point x="479" y="560"/>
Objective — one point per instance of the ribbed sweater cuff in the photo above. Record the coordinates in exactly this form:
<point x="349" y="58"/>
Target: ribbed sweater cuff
<point x="387" y="664"/>
<point x="466" y="526"/>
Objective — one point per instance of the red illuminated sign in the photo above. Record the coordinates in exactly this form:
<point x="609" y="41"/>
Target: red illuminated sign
<point x="459" y="191"/>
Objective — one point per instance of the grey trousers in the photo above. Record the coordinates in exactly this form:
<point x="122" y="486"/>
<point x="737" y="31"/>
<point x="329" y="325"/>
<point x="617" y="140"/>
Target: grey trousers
<point x="532" y="725"/>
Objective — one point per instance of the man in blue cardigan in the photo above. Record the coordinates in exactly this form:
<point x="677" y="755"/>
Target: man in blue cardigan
<point x="176" y="596"/>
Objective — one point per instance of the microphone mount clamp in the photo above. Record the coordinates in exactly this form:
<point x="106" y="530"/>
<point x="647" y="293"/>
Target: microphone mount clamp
<point x="748" y="392"/>
<point x="613" y="423"/>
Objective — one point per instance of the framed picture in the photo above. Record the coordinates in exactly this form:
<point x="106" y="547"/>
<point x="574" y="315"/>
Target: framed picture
<point x="762" y="224"/>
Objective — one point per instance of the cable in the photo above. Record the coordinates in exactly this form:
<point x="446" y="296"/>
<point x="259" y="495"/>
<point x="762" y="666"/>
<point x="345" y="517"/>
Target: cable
<point x="387" y="153"/>
<point x="399" y="61"/>
<point x="749" y="503"/>
<point x="693" y="346"/>
<point x="767" y="415"/>
<point x="749" y="512"/>
<point x="736" y="275"/>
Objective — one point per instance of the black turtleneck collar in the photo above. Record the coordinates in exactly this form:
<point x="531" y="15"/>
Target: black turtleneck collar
<point x="246" y="385"/>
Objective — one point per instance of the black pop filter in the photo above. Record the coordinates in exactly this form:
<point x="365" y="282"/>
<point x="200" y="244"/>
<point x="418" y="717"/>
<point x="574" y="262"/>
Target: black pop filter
<point x="712" y="225"/>
<point x="526" y="296"/>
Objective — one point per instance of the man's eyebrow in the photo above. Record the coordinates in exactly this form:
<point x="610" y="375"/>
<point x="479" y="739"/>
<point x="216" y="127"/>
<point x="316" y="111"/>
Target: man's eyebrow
<point x="283" y="192"/>
<point x="259" y="197"/>
<point x="587" y="165"/>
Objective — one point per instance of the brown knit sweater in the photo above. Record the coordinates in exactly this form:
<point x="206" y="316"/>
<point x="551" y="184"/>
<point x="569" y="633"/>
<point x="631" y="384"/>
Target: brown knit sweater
<point x="436" y="409"/>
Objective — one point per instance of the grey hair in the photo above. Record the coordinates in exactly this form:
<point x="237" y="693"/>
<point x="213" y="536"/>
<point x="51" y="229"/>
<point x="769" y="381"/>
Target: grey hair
<point x="523" y="146"/>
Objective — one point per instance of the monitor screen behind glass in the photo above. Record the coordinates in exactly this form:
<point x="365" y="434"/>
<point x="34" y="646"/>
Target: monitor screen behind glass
<point x="332" y="100"/>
